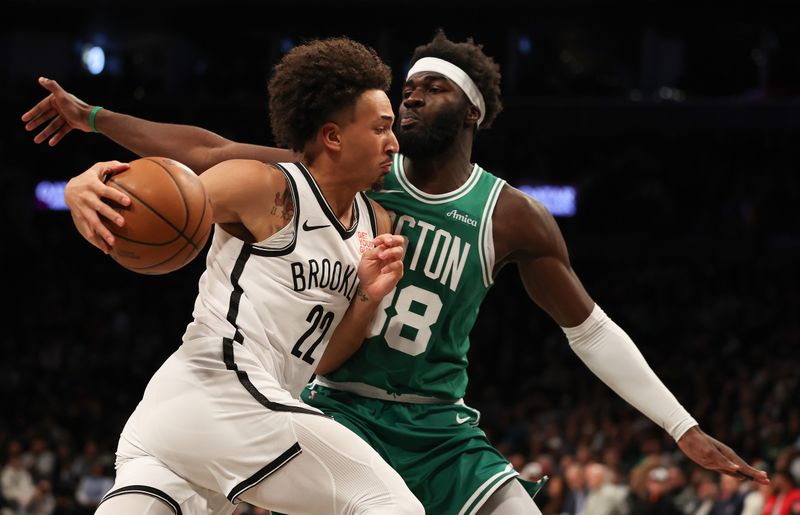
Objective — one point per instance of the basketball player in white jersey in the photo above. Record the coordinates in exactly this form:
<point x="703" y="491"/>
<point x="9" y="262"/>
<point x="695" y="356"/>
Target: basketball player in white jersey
<point x="299" y="257"/>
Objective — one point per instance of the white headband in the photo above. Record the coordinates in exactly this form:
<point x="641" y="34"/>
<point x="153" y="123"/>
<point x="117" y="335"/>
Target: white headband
<point x="455" y="74"/>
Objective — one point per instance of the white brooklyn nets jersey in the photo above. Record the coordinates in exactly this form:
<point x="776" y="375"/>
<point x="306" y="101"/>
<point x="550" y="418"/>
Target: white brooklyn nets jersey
<point x="281" y="298"/>
<point x="221" y="416"/>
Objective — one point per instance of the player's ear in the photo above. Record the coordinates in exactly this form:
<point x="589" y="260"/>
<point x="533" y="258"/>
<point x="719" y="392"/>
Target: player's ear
<point x="331" y="133"/>
<point x="473" y="115"/>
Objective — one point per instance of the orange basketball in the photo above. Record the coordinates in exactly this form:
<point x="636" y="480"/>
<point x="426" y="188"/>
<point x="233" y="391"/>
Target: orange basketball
<point x="168" y="220"/>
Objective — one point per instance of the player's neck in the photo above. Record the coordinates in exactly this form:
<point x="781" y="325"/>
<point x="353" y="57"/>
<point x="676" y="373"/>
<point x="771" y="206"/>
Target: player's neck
<point x="442" y="173"/>
<point x="339" y="194"/>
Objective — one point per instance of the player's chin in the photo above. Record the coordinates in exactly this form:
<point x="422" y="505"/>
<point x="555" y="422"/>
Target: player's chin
<point x="377" y="185"/>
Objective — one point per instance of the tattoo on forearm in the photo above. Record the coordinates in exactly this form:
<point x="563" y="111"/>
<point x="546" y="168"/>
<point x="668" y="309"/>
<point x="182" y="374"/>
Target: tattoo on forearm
<point x="362" y="296"/>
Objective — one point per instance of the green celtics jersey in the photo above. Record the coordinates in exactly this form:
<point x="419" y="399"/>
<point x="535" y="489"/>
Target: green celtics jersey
<point x="419" y="339"/>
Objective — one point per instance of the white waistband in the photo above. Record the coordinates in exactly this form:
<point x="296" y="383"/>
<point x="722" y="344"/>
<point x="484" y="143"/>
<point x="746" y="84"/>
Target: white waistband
<point x="373" y="392"/>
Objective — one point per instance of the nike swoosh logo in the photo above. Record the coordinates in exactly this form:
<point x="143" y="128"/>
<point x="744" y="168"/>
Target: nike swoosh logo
<point x="460" y="420"/>
<point x="307" y="227"/>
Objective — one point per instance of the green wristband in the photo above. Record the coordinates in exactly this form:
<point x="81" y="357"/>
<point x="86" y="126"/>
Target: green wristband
<point x="92" y="117"/>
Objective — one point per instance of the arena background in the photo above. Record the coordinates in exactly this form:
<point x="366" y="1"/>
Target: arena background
<point x="677" y="124"/>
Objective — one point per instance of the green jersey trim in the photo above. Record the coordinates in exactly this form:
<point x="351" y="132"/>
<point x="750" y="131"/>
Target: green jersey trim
<point x="486" y="240"/>
<point x="481" y="495"/>
<point x="430" y="198"/>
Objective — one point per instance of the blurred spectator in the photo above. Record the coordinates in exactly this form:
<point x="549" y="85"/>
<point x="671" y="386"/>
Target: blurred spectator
<point x="20" y="494"/>
<point x="683" y="492"/>
<point x="754" y="498"/>
<point x="604" y="498"/>
<point x="64" y="480"/>
<point x="765" y="492"/>
<point x="707" y="491"/>
<point x="785" y="496"/>
<point x="552" y="502"/>
<point x="730" y="500"/>
<point x="93" y="486"/>
<point x="657" y="499"/>
<point x="532" y="471"/>
<point x="84" y="463"/>
<point x="39" y="459"/>
<point x="17" y="486"/>
<point x="42" y="502"/>
<point x="575" y="499"/>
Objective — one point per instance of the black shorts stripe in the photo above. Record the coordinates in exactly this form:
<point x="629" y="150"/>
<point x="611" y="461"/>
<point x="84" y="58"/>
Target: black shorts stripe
<point x="145" y="490"/>
<point x="262" y="474"/>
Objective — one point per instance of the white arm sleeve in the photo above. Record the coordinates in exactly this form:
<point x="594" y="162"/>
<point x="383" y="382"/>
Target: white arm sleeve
<point x="613" y="357"/>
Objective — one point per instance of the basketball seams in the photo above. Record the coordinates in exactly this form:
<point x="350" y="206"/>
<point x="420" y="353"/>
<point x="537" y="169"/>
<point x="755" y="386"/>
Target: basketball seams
<point x="190" y="238"/>
<point x="149" y="208"/>
<point x="180" y="191"/>
<point x="181" y="233"/>
<point x="199" y="220"/>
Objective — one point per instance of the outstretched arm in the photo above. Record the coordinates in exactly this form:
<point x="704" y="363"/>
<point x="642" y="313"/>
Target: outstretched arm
<point x="60" y="112"/>
<point x="526" y="234"/>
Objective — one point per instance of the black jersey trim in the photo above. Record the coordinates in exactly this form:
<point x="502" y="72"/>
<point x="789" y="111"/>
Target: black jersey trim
<point x="289" y="248"/>
<point x="145" y="490"/>
<point x="373" y="220"/>
<point x="326" y="208"/>
<point x="238" y="337"/>
<point x="265" y="472"/>
<point x="236" y="294"/>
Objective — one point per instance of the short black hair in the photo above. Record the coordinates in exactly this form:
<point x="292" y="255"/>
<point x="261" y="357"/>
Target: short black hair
<point x="470" y="57"/>
<point x="315" y="80"/>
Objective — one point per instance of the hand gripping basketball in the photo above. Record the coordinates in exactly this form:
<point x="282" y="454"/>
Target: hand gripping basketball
<point x="168" y="221"/>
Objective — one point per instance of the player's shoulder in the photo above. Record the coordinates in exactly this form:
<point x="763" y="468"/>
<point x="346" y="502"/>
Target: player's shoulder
<point x="521" y="223"/>
<point x="258" y="177"/>
<point x="513" y="203"/>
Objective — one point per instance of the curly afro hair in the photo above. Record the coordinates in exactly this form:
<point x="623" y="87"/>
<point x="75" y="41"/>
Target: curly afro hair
<point x="468" y="56"/>
<point x="315" y="80"/>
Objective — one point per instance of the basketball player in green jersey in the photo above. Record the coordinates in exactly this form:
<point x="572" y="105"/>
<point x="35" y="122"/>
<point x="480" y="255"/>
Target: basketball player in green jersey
<point x="401" y="391"/>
